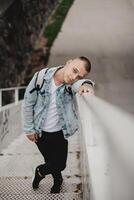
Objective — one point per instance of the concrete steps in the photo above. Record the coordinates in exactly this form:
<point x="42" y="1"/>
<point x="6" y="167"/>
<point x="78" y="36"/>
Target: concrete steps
<point x="67" y="196"/>
<point x="20" y="188"/>
<point x="17" y="164"/>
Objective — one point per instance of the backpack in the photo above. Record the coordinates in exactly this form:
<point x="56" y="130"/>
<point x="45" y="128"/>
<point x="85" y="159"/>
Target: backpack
<point x="39" y="80"/>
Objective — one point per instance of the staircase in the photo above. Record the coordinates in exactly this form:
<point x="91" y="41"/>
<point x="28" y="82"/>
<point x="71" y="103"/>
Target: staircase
<point x="17" y="164"/>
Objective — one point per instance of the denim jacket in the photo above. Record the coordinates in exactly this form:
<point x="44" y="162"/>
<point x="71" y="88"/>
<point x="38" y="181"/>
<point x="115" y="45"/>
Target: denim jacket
<point x="35" y="105"/>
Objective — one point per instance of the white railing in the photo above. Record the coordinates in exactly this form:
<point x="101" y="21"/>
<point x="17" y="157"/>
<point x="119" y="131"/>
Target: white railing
<point x="10" y="117"/>
<point x="16" y="93"/>
<point x="107" y="143"/>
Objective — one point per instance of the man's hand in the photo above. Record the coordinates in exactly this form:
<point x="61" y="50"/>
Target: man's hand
<point x="33" y="137"/>
<point x="86" y="88"/>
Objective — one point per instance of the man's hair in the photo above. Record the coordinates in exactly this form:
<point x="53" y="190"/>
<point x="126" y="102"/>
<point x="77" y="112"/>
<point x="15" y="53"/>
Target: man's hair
<point x="87" y="63"/>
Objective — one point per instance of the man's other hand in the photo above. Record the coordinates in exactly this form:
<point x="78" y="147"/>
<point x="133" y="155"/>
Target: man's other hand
<point x="86" y="88"/>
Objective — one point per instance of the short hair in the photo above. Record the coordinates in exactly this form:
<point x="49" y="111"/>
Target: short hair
<point x="87" y="63"/>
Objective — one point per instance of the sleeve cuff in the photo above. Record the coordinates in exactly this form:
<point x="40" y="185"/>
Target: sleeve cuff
<point x="88" y="82"/>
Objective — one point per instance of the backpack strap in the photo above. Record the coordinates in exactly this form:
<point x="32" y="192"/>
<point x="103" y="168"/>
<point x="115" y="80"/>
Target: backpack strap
<point x="39" y="80"/>
<point x="69" y="89"/>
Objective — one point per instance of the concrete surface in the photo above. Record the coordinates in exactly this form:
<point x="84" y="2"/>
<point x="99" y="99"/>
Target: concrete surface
<point x="108" y="135"/>
<point x="103" y="31"/>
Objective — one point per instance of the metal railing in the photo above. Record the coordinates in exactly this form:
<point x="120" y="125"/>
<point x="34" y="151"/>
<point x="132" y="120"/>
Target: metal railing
<point x="16" y="91"/>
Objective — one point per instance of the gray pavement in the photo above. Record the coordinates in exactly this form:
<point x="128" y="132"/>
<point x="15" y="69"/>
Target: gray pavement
<point x="103" y="31"/>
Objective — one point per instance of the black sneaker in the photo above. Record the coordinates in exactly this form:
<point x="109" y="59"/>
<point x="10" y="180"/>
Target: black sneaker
<point x="36" y="179"/>
<point x="57" y="185"/>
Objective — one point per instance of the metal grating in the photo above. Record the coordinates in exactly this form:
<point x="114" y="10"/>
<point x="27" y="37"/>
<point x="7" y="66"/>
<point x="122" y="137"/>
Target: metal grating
<point x="66" y="196"/>
<point x="17" y="165"/>
<point x="20" y="188"/>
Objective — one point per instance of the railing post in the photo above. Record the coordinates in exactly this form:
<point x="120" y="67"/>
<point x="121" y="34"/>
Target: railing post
<point x="16" y="95"/>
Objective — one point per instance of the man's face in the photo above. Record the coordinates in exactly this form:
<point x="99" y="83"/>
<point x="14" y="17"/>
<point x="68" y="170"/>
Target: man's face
<point x="74" y="71"/>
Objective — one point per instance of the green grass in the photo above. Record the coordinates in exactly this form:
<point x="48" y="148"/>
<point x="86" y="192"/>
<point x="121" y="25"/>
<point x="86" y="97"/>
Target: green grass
<point x="53" y="28"/>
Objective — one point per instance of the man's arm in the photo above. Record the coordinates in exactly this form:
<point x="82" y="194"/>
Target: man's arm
<point x="28" y="108"/>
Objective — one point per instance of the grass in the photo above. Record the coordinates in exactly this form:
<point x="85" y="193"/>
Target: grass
<point x="54" y="26"/>
<point x="51" y="31"/>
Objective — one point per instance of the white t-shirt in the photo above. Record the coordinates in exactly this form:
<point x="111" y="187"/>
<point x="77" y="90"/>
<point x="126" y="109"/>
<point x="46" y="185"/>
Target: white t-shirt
<point x="52" y="120"/>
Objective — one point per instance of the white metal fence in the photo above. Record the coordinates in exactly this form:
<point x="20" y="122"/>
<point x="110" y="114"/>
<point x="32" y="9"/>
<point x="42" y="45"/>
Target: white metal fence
<point x="15" y="90"/>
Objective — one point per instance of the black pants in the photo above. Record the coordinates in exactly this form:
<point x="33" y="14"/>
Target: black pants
<point x="54" y="148"/>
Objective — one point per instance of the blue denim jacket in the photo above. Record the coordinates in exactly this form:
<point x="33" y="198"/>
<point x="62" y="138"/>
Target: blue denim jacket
<point x="35" y="105"/>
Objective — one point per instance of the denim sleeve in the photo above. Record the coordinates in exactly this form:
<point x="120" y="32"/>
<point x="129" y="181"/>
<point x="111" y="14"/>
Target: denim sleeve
<point x="75" y="86"/>
<point x="28" y="107"/>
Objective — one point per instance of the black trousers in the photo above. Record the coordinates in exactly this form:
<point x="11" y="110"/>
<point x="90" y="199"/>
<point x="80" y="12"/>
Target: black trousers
<point x="54" y="148"/>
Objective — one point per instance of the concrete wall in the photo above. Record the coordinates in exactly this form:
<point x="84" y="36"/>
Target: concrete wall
<point x="10" y="124"/>
<point x="106" y="150"/>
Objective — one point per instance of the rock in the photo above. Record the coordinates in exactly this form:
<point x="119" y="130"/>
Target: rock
<point x="20" y="26"/>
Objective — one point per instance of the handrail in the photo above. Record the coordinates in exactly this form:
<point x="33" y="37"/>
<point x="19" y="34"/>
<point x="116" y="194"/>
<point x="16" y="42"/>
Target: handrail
<point x="16" y="90"/>
<point x="108" y="134"/>
<point x="12" y="88"/>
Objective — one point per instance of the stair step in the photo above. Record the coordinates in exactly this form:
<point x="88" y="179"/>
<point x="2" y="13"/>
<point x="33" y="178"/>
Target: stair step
<point x="35" y="196"/>
<point x="20" y="188"/>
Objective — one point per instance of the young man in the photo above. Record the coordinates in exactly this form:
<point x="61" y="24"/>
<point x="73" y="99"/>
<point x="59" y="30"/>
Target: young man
<point x="50" y="116"/>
